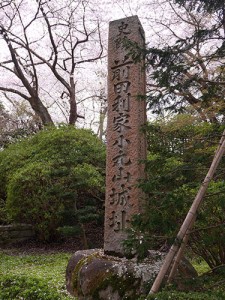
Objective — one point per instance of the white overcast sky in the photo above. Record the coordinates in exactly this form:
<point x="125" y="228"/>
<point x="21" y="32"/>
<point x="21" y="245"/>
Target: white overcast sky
<point x="150" y="13"/>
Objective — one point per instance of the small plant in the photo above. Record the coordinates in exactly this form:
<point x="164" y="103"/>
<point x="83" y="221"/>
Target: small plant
<point x="33" y="277"/>
<point x="172" y="295"/>
<point x="22" y="287"/>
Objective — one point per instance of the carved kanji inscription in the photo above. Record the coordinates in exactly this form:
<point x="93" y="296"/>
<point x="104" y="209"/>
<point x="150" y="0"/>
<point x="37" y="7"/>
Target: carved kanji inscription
<point x="126" y="145"/>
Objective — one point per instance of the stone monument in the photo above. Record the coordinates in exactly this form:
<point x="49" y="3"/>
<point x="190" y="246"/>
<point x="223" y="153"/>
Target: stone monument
<point x="105" y="274"/>
<point x="126" y="144"/>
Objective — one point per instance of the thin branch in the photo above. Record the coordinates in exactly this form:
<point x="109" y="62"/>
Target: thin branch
<point x="50" y="34"/>
<point x="10" y="90"/>
<point x="34" y="74"/>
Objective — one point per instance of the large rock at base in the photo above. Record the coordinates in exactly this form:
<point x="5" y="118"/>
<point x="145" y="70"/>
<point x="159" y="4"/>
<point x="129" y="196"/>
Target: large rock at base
<point x="92" y="275"/>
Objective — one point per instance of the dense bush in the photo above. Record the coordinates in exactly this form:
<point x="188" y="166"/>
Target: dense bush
<point x="187" y="296"/>
<point x="49" y="178"/>
<point x="180" y="153"/>
<point x="21" y="287"/>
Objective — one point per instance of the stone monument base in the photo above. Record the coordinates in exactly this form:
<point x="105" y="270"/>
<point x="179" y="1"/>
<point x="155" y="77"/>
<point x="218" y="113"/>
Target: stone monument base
<point x="92" y="275"/>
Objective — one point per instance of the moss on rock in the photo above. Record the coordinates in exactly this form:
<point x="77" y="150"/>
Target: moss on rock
<point x="92" y="275"/>
<point x="125" y="287"/>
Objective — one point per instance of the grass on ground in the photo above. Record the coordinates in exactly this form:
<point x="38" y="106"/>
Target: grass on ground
<point x="42" y="277"/>
<point x="33" y="277"/>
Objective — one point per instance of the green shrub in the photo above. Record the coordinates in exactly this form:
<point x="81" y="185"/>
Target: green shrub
<point x="174" y="295"/>
<point x="27" y="288"/>
<point x="50" y="179"/>
<point x="30" y="199"/>
<point x="69" y="231"/>
<point x="3" y="213"/>
<point x="180" y="153"/>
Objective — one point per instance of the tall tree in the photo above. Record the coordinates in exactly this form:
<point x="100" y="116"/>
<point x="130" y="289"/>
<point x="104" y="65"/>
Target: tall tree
<point x="187" y="73"/>
<point x="44" y="46"/>
<point x="209" y="5"/>
<point x="181" y="150"/>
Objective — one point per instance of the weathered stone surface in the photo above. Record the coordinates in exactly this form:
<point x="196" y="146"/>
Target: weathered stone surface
<point x="126" y="144"/>
<point x="92" y="275"/>
<point x="10" y="234"/>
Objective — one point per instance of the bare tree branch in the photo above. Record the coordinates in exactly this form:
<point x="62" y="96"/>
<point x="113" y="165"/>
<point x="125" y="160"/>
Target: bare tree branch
<point x="4" y="89"/>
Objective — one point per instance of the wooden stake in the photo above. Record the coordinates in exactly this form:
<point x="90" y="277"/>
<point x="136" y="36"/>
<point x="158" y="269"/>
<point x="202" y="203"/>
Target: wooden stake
<point x="182" y="248"/>
<point x="188" y="222"/>
<point x="179" y="255"/>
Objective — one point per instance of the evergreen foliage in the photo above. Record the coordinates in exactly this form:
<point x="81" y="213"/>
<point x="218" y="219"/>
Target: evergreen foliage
<point x="180" y="153"/>
<point x="207" y="5"/>
<point x="186" y="296"/>
<point x="187" y="73"/>
<point x="52" y="177"/>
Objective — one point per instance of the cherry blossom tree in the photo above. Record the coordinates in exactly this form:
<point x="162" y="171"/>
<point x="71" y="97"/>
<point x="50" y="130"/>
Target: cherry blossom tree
<point x="45" y="45"/>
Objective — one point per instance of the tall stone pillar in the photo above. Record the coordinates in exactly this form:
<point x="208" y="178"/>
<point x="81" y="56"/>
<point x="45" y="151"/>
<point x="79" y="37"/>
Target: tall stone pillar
<point x="126" y="144"/>
<point x="92" y="274"/>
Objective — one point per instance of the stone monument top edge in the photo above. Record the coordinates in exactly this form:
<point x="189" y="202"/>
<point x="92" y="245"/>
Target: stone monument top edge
<point x="134" y="17"/>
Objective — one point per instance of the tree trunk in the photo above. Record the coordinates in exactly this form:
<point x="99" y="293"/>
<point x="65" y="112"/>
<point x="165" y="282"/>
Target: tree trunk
<point x="102" y="117"/>
<point x="41" y="111"/>
<point x="84" y="237"/>
<point x="73" y="104"/>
